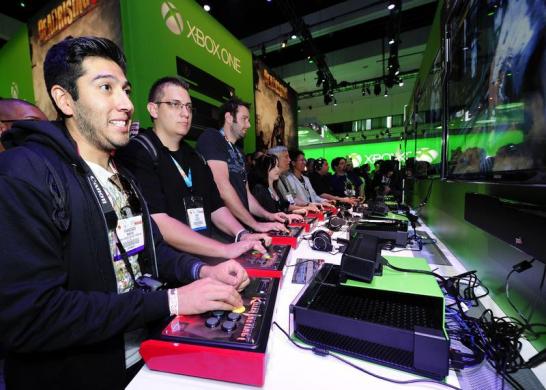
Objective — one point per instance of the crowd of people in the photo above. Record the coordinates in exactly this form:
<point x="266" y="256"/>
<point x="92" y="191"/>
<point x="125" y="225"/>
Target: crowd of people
<point x="299" y="183"/>
<point x="105" y="236"/>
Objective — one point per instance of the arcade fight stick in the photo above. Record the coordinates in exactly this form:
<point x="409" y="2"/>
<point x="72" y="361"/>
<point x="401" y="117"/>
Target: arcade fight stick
<point x="223" y="345"/>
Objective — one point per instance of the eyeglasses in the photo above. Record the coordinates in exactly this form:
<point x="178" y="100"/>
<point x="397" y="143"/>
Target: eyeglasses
<point x="176" y="105"/>
<point x="123" y="184"/>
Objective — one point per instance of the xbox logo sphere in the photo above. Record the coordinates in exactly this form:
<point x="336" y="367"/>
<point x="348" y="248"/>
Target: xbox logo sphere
<point x="426" y="154"/>
<point x="355" y="158"/>
<point x="172" y="18"/>
<point x="14" y="90"/>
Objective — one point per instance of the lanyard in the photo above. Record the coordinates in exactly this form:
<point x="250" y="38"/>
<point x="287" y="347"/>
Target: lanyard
<point x="109" y="215"/>
<point x="302" y="181"/>
<point x="187" y="178"/>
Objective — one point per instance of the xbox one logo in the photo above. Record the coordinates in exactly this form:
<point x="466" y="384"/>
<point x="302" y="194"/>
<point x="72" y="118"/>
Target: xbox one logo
<point x="172" y="18"/>
<point x="356" y="159"/>
<point x="14" y="89"/>
<point x="426" y="154"/>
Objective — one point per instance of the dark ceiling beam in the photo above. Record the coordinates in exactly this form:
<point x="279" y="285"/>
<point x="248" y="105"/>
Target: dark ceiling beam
<point x="345" y="86"/>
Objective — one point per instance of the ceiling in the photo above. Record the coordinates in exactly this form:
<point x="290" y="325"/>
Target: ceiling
<point x="350" y="34"/>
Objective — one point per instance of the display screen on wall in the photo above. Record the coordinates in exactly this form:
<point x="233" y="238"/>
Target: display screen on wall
<point x="497" y="86"/>
<point x="275" y="110"/>
<point x="177" y="37"/>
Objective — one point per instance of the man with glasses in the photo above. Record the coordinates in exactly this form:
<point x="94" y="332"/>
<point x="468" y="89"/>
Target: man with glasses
<point x="12" y="110"/>
<point x="78" y="243"/>
<point x="227" y="164"/>
<point x="176" y="181"/>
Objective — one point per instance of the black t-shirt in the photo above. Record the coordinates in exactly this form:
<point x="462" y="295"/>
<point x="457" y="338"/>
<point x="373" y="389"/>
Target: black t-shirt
<point x="266" y="200"/>
<point x="213" y="146"/>
<point x="321" y="184"/>
<point x="162" y="185"/>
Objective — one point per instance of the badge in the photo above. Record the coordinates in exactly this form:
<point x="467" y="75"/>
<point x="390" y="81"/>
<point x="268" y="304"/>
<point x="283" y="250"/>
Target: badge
<point x="290" y="198"/>
<point x="195" y="212"/>
<point x="130" y="233"/>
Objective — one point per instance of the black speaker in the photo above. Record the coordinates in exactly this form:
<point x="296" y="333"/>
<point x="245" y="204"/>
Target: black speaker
<point x="335" y="223"/>
<point x="321" y="241"/>
<point x="362" y="259"/>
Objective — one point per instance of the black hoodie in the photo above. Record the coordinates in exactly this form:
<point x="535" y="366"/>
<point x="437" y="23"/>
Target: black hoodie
<point x="61" y="318"/>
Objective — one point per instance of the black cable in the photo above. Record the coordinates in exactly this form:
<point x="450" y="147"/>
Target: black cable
<point x="325" y="352"/>
<point x="415" y="271"/>
<point x="302" y="262"/>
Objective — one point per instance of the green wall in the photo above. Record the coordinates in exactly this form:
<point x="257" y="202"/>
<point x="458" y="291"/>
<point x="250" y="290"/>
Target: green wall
<point x="15" y="68"/>
<point x="428" y="149"/>
<point x="476" y="249"/>
<point x="152" y="42"/>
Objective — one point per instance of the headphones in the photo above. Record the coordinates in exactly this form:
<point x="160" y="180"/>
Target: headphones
<point x="321" y="241"/>
<point x="335" y="223"/>
<point x="319" y="162"/>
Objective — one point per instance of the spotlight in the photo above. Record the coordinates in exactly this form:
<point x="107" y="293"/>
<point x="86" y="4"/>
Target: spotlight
<point x="397" y="72"/>
<point x="283" y="44"/>
<point x="386" y="92"/>
<point x="401" y="83"/>
<point x="377" y="88"/>
<point x="391" y="41"/>
<point x="390" y="4"/>
<point x="206" y="7"/>
<point x="309" y="59"/>
<point x="293" y="36"/>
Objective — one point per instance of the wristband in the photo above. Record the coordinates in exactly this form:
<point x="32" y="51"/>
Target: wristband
<point x="239" y="234"/>
<point x="173" y="301"/>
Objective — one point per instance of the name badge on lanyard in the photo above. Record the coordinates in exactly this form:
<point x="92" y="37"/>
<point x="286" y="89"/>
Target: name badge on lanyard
<point x="195" y="210"/>
<point x="130" y="233"/>
<point x="290" y="198"/>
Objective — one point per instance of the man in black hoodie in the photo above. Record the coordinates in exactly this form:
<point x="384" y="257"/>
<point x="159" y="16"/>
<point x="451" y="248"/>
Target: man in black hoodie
<point x="78" y="241"/>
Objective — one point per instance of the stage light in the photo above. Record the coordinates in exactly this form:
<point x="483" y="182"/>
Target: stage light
<point x="391" y="41"/>
<point x="283" y="44"/>
<point x="401" y="83"/>
<point x="390" y="4"/>
<point x="386" y="92"/>
<point x="206" y="7"/>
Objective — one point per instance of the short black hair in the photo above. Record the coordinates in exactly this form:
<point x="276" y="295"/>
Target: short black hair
<point x="318" y="164"/>
<point x="232" y="106"/>
<point x="294" y="153"/>
<point x="335" y="161"/>
<point x="262" y="166"/>
<point x="156" y="90"/>
<point x="63" y="62"/>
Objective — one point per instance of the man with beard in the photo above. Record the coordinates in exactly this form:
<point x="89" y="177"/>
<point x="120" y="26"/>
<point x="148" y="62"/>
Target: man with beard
<point x="81" y="259"/>
<point x="177" y="184"/>
<point x="227" y="164"/>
